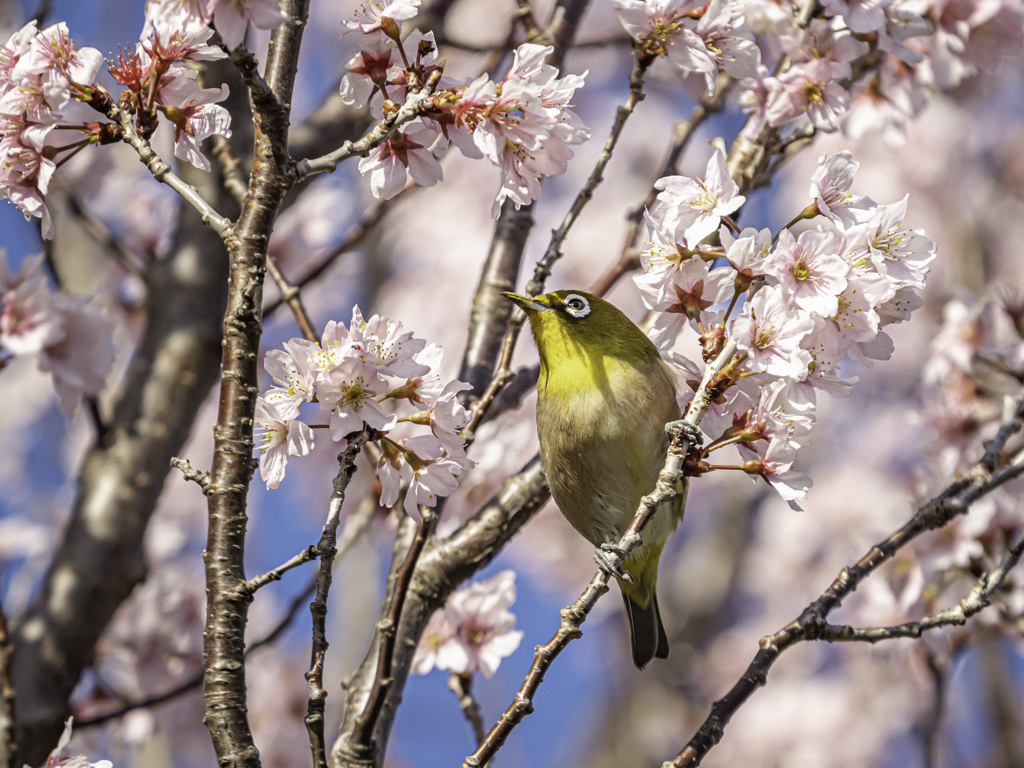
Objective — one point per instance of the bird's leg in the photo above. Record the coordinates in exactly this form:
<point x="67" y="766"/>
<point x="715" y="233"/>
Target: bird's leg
<point x="692" y="434"/>
<point x="606" y="565"/>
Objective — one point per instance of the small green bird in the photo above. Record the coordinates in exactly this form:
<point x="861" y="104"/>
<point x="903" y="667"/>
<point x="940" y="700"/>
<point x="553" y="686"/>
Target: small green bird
<point x="604" y="399"/>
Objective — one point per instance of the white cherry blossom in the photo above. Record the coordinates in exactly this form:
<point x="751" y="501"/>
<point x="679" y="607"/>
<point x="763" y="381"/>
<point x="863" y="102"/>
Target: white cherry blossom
<point x="694" y="208"/>
<point x="294" y="372"/>
<point x="349" y="391"/>
<point x="196" y="119"/>
<point x="407" y="150"/>
<point x="770" y="332"/>
<point x="280" y="436"/>
<point x="830" y="190"/>
<point x="230" y="18"/>
<point x="809" y="269"/>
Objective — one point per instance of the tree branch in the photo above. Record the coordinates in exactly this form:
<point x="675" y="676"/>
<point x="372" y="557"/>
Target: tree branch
<point x="8" y="736"/>
<point x="377" y="136"/>
<point x="292" y="296"/>
<point x="462" y="687"/>
<point x="162" y="171"/>
<point x="327" y="549"/>
<point x="227" y="601"/>
<point x="574" y="615"/>
<point x="812" y="623"/>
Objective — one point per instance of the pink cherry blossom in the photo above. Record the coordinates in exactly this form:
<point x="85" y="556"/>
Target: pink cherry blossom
<point x="830" y="190"/>
<point x="12" y="51"/>
<point x="855" y="319"/>
<point x="52" y="49"/>
<point x="25" y="173"/>
<point x="425" y="388"/>
<point x="723" y="32"/>
<point x="819" y="41"/>
<point x="810" y="270"/>
<point x="230" y="18"/>
<point x="174" y="43"/>
<point x="903" y="255"/>
<point x="754" y="100"/>
<point x="661" y="262"/>
<point x="770" y="333"/>
<point x="693" y="291"/>
<point x="29" y="321"/>
<point x="749" y="255"/>
<point x="861" y="16"/>
<point x="406" y="153"/>
<point x="776" y="468"/>
<point x="429" y="473"/>
<point x="375" y="15"/>
<point x="281" y="436"/>
<point x="474" y="631"/>
<point x="82" y="358"/>
<point x="367" y="69"/>
<point x="808" y="89"/>
<point x="349" y="392"/>
<point x="666" y="26"/>
<point x="694" y="207"/>
<point x="196" y="119"/>
<point x="59" y="757"/>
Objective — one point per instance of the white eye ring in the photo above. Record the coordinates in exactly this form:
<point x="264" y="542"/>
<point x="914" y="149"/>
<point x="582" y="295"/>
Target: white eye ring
<point x="577" y="305"/>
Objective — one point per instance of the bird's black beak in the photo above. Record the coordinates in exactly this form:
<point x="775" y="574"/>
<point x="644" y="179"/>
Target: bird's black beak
<point x="524" y="302"/>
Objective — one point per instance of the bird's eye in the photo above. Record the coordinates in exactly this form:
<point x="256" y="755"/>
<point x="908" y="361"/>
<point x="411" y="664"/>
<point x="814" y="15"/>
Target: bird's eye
<point x="577" y="305"/>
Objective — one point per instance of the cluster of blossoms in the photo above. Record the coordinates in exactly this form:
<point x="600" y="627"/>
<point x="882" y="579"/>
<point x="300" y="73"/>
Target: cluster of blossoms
<point x="39" y="75"/>
<point x="814" y="298"/>
<point x="352" y="373"/>
<point x="863" y="65"/>
<point x="522" y="124"/>
<point x="473" y="632"/>
<point x="73" y="339"/>
<point x="42" y="73"/>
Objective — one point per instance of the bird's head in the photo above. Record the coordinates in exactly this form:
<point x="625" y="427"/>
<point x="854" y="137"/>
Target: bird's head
<point x="573" y="326"/>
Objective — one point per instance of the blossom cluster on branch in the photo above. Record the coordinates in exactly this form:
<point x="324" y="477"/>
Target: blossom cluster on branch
<point x="523" y="124"/>
<point x="361" y="375"/>
<point x="865" y="67"/>
<point x="817" y="297"/>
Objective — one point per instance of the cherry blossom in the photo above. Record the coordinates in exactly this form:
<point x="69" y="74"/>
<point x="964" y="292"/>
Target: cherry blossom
<point x="374" y="15"/>
<point x="407" y="150"/>
<point x="903" y="255"/>
<point x="294" y="373"/>
<point x="819" y="42"/>
<point x="84" y="355"/>
<point x="59" y="757"/>
<point x="446" y="417"/>
<point x="383" y="346"/>
<point x="830" y="190"/>
<point x="810" y="270"/>
<point x="281" y="436"/>
<point x="29" y="321"/>
<point x="423" y="389"/>
<point x="474" y="631"/>
<point x="776" y="467"/>
<point x="770" y="333"/>
<point x="661" y="261"/>
<point x="861" y="16"/>
<point x="25" y="174"/>
<point x="808" y="89"/>
<point x="723" y="32"/>
<point x="693" y="291"/>
<point x="749" y="255"/>
<point x="367" y="69"/>
<point x="230" y="18"/>
<point x="12" y="51"/>
<point x="196" y="119"/>
<point x="52" y="51"/>
<point x="660" y="25"/>
<point x="694" y="207"/>
<point x="349" y="392"/>
<point x="855" y="319"/>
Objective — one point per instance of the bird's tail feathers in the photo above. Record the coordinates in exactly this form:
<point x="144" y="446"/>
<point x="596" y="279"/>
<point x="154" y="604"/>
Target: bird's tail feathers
<point x="646" y="631"/>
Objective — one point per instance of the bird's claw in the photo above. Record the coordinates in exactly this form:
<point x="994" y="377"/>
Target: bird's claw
<point x="610" y="568"/>
<point x="692" y="434"/>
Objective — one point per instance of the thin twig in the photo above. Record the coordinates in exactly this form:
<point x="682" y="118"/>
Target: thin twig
<point x="202" y="479"/>
<point x="574" y="615"/>
<point x="275" y="574"/>
<point x="377" y="136"/>
<point x="812" y="623"/>
<point x="292" y="296"/>
<point x="248" y="67"/>
<point x="231" y="169"/>
<point x="98" y="231"/>
<point x="356" y="235"/>
<point x="8" y="737"/>
<point x="554" y="249"/>
<point x="327" y="548"/>
<point x="362" y="737"/>
<point x="355" y="527"/>
<point x="462" y="687"/>
<point x="162" y="171"/>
